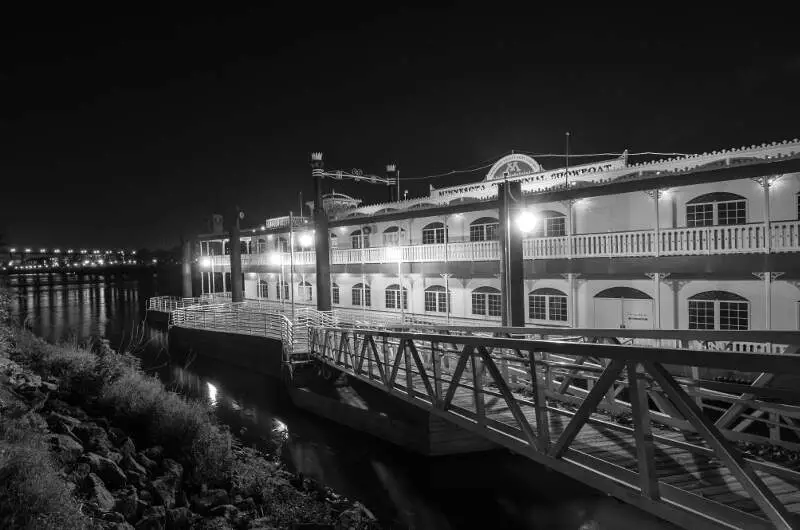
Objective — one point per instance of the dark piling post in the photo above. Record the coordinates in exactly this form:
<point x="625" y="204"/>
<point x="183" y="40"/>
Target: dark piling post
<point x="321" y="237"/>
<point x="236" y="259"/>
<point x="512" y="266"/>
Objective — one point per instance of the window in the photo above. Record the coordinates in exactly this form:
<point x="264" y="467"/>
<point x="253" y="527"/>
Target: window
<point x="719" y="208"/>
<point x="551" y="224"/>
<point x="487" y="301"/>
<point x="263" y="288"/>
<point x="393" y="236"/>
<point x="393" y="297"/>
<point x="547" y="304"/>
<point x="282" y="245"/>
<point x="334" y="241"/>
<point x="305" y="291"/>
<point x="361" y="295"/>
<point x="282" y="290"/>
<point x="719" y="310"/>
<point x="334" y="294"/>
<point x="484" y="229"/>
<point x="359" y="239"/>
<point x="436" y="299"/>
<point x="433" y="233"/>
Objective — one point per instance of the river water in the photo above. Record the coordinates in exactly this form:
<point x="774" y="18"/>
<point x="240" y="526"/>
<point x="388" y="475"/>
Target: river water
<point x="405" y="491"/>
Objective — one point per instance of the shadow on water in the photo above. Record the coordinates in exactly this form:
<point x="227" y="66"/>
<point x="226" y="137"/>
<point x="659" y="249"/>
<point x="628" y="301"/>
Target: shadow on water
<point x="486" y="490"/>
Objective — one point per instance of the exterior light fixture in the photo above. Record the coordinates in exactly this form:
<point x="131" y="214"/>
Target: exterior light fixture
<point x="306" y="239"/>
<point x="527" y="221"/>
<point x="205" y="262"/>
<point x="27" y="250"/>
<point x="275" y="259"/>
<point x="12" y="250"/>
<point x="42" y="250"/>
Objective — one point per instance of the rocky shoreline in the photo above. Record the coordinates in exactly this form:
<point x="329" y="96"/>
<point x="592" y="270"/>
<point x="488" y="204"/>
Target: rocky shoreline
<point x="118" y="478"/>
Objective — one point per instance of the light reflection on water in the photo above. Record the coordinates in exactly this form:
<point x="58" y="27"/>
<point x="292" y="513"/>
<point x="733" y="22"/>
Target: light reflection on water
<point x="490" y="490"/>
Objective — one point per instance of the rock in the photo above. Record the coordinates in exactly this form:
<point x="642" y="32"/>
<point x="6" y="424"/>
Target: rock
<point x="99" y="494"/>
<point x="114" y="457"/>
<point x="178" y="518"/>
<point x="128" y="505"/>
<point x="114" y="517"/>
<point x="127" y="448"/>
<point x="66" y="449"/>
<point x="128" y="463"/>
<point x="154" y="453"/>
<point x="93" y="437"/>
<point x="152" y="519"/>
<point x="117" y="436"/>
<point x="164" y="490"/>
<point x="146" y="496"/>
<point x="247" y="505"/>
<point x="80" y="476"/>
<point x="204" y="502"/>
<point x="123" y="526"/>
<point x="171" y="467"/>
<point x="61" y="423"/>
<point x="181" y="499"/>
<point x="106" y="469"/>
<point x="146" y="462"/>
<point x="228" y="511"/>
<point x="49" y="386"/>
<point x="56" y="405"/>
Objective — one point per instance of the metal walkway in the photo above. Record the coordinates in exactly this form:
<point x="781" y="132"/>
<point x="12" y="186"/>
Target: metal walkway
<point x="659" y="428"/>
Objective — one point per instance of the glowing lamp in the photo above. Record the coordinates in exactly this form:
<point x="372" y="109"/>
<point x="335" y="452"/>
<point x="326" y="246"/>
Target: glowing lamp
<point x="527" y="221"/>
<point x="306" y="239"/>
<point x="275" y="259"/>
<point x="206" y="262"/>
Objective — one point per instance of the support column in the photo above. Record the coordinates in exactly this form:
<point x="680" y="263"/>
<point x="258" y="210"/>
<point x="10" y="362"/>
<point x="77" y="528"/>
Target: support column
<point x="570" y="226"/>
<point x="656" y="277"/>
<point x="767" y="230"/>
<point x="768" y="278"/>
<point x="322" y="238"/>
<point x="187" y="269"/>
<point x="512" y="265"/>
<point x="236" y="259"/>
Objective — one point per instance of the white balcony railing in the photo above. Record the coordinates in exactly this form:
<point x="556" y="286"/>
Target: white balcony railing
<point x="784" y="236"/>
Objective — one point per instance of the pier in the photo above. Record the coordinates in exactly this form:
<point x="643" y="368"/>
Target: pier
<point x="696" y="427"/>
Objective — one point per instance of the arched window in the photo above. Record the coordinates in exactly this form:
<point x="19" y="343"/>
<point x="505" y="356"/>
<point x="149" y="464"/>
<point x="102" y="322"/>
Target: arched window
<point x="305" y="292"/>
<point x="263" y="288"/>
<point x="282" y="244"/>
<point x="437" y="299"/>
<point x="359" y="239"/>
<point x="393" y="297"/>
<point x="433" y="233"/>
<point x="720" y="208"/>
<point x="361" y="295"/>
<point x="719" y="310"/>
<point x="393" y="236"/>
<point x="487" y="301"/>
<point x="334" y="294"/>
<point x="261" y="245"/>
<point x="547" y="304"/>
<point x="484" y="229"/>
<point x="551" y="224"/>
<point x="282" y="290"/>
<point x="334" y="241"/>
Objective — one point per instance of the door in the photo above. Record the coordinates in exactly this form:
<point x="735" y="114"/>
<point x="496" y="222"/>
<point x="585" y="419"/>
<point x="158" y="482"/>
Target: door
<point x="608" y="313"/>
<point x="637" y="314"/>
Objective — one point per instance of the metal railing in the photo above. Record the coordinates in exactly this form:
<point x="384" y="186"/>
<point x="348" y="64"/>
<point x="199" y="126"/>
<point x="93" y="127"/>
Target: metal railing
<point x="784" y="236"/>
<point x="625" y="419"/>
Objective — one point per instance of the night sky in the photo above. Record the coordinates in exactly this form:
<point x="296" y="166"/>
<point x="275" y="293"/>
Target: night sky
<point x="131" y="128"/>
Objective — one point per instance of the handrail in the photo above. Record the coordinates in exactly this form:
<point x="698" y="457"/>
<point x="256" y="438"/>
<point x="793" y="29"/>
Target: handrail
<point x="558" y="402"/>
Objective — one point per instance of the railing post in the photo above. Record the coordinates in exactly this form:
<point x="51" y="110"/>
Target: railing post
<point x="437" y="372"/>
<point x="477" y="388"/>
<point x="643" y="436"/>
<point x="540" y="404"/>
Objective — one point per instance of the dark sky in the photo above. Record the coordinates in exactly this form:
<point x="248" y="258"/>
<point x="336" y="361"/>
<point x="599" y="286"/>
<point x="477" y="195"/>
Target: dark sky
<point x="131" y="128"/>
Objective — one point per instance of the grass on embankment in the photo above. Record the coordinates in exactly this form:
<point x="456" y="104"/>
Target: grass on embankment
<point x="139" y="404"/>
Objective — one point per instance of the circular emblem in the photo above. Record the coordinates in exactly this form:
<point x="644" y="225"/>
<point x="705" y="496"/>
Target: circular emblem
<point x="513" y="166"/>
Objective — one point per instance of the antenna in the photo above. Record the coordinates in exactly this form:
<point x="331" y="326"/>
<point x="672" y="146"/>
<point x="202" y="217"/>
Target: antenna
<point x="566" y="173"/>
